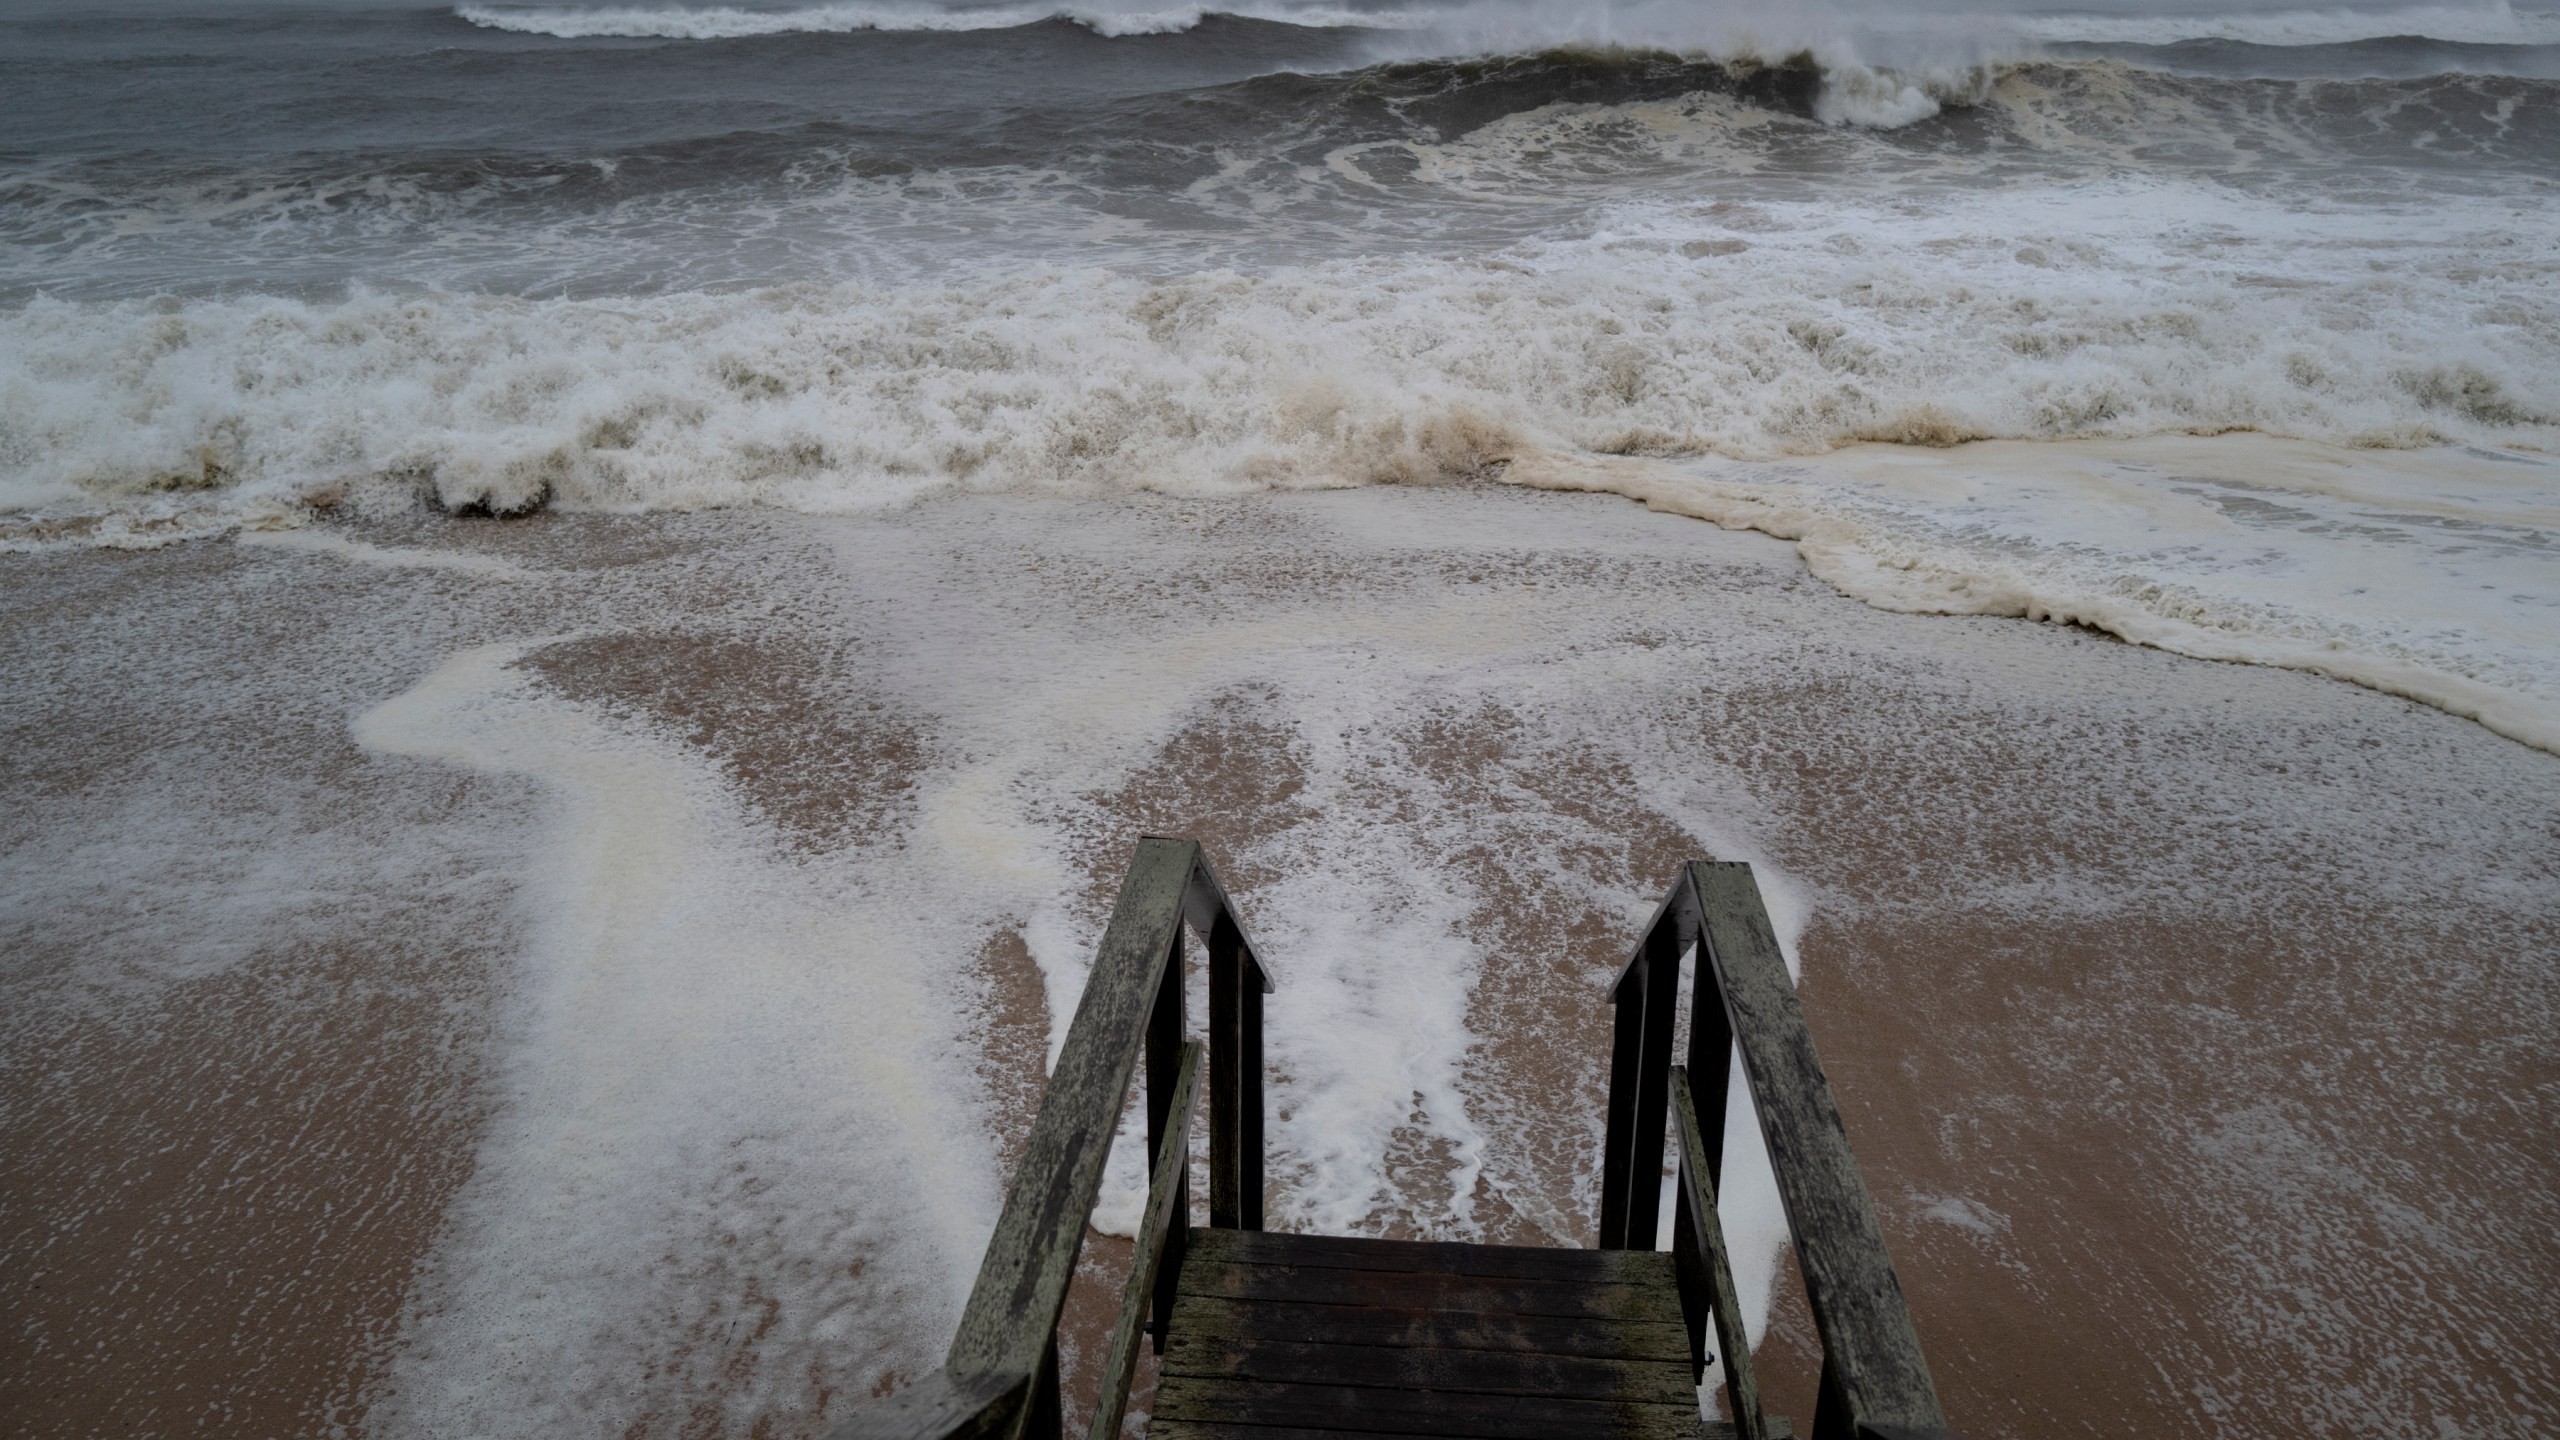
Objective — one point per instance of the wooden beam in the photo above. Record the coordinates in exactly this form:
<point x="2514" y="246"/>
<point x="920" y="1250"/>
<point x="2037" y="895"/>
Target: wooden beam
<point x="1434" y="1257"/>
<point x="1387" y="1367"/>
<point x="1022" y="1285"/>
<point x="1163" y="1219"/>
<point x="1705" y="1236"/>
<point x="1872" y="1354"/>
<point x="1227" y="978"/>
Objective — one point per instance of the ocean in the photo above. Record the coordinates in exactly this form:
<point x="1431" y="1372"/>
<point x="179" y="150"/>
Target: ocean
<point x="836" y="257"/>
<point x="595" y="592"/>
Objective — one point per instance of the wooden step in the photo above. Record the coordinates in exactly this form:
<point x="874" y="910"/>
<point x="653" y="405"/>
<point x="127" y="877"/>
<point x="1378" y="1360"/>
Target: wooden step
<point x="1277" y="1337"/>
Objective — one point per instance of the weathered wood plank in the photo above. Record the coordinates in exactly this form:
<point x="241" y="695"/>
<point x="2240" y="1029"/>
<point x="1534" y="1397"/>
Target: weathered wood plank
<point x="1249" y="1116"/>
<point x="1022" y="1284"/>
<point x="1164" y="1195"/>
<point x="1397" y="1290"/>
<point x="1653" y="1091"/>
<point x="1626" y="1076"/>
<point x="1214" y="1317"/>
<point x="1706" y="1239"/>
<point x="1857" y="1302"/>
<point x="1413" y="1412"/>
<point x="1204" y="903"/>
<point x="1199" y="1431"/>
<point x="1165" y="1048"/>
<point x="1227" y="1162"/>
<point x="1438" y="1257"/>
<point x="1572" y="1377"/>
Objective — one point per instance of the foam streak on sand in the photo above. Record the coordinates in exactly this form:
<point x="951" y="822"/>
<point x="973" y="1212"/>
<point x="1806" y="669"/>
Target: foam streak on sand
<point x="592" y="1207"/>
<point x="2431" y="575"/>
<point x="687" y="986"/>
<point x="753" y="789"/>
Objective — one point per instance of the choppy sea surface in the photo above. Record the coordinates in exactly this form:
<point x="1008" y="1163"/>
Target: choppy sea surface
<point x="836" y="256"/>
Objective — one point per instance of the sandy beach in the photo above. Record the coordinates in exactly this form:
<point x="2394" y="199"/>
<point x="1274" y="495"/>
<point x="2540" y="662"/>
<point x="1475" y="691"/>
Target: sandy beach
<point x="586" y="974"/>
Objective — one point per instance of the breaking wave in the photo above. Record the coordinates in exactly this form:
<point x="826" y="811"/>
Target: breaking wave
<point x="2494" y="23"/>
<point x="1521" y="26"/>
<point x="1751" y="331"/>
<point x="1477" y="153"/>
<point x="1591" y="266"/>
<point x="730" y="22"/>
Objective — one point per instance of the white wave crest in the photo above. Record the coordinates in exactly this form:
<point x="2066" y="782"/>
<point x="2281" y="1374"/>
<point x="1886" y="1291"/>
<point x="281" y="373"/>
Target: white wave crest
<point x="731" y="22"/>
<point x="1853" y="94"/>
<point x="1533" y="24"/>
<point x="1749" y="332"/>
<point x="2492" y="23"/>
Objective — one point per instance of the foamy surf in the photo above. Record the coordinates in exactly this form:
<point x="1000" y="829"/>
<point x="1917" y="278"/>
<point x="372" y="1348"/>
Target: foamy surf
<point x="2423" y="574"/>
<point x="1496" y="27"/>
<point x="2490" y="22"/>
<point x="731" y="22"/>
<point x="1750" y="332"/>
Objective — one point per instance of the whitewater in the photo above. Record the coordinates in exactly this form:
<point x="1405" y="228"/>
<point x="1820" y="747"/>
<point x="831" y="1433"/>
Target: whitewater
<point x="1637" y="294"/>
<point x="725" y="517"/>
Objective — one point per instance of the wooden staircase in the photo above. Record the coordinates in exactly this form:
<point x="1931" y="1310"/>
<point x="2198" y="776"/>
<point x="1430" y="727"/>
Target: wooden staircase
<point x="1266" y="1336"/>
<point x="1290" y="1335"/>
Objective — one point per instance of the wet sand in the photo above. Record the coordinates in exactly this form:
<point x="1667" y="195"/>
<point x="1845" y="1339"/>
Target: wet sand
<point x="2191" y="1020"/>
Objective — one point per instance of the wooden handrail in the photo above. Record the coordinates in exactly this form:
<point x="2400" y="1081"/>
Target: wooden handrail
<point x="1873" y="1374"/>
<point x="1160" y="1242"/>
<point x="1000" y="1376"/>
<point x="1706" y="1270"/>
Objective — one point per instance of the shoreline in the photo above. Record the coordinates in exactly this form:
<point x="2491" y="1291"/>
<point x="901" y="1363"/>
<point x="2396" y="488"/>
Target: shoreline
<point x="2152" y="990"/>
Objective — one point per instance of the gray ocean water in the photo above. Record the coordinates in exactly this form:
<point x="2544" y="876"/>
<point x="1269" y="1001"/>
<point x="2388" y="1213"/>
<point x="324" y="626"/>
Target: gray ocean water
<point x="258" y="259"/>
<point x="632" y="149"/>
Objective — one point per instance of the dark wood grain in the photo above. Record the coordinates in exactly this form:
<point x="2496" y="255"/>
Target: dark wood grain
<point x="1227" y="1163"/>
<point x="1575" y="1377"/>
<point x="1414" y="1412"/>
<point x="1440" y="1257"/>
<point x="1359" y="1325"/>
<point x="1476" y="1294"/>
<point x="1013" y="1308"/>
<point x="1705" y="1235"/>
<point x="1165" y="1049"/>
<point x="1618" y="1134"/>
<point x="1164" y="1195"/>
<point x="1869" y="1346"/>
<point x="1199" y="1431"/>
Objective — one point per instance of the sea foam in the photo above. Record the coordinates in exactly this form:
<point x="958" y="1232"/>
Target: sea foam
<point x="2114" y="311"/>
<point x="732" y="22"/>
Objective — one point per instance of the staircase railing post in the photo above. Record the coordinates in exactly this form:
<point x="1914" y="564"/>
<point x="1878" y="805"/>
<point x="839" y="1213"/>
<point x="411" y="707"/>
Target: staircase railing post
<point x="1710" y="1069"/>
<point x="1045" y="1416"/>
<point x="1697" y="1310"/>
<point x="1164" y="1063"/>
<point x="1253" y="984"/>
<point x="1873" y="1372"/>
<point x="1626" y="1059"/>
<point x="998" y="1379"/>
<point x="1653" y="1091"/>
<point x="1226" y="1074"/>
<point x="1710" y="1051"/>
<point x="1647" y="1001"/>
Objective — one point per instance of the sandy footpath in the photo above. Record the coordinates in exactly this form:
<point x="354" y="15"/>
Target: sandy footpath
<point x="588" y="974"/>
